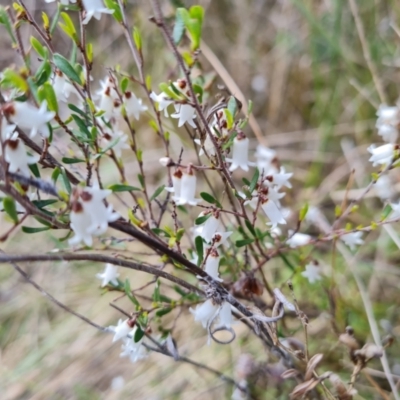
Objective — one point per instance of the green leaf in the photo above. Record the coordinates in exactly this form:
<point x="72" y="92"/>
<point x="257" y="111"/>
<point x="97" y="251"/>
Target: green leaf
<point x="210" y="199"/>
<point x="254" y="180"/>
<point x="67" y="160"/>
<point x="44" y="203"/>
<point x="35" y="170"/>
<point x="138" y="334"/>
<point x="43" y="73"/>
<point x="229" y="118"/>
<point x="82" y="125"/>
<point x="156" y="293"/>
<point x="123" y="188"/>
<point x="66" y="68"/>
<point x="232" y="105"/>
<point x="28" y="229"/>
<point x="250" y="227"/>
<point x="202" y="219"/>
<point x="65" y="179"/>
<point x="243" y="242"/>
<point x="163" y="311"/>
<point x="161" y="232"/>
<point x="137" y="38"/>
<point x="68" y="27"/>
<point x="41" y="50"/>
<point x="14" y="79"/>
<point x="46" y="92"/>
<point x="179" y="28"/>
<point x="128" y="292"/>
<point x="10" y="208"/>
<point x="77" y="110"/>
<point x="54" y="22"/>
<point x="113" y="5"/>
<point x="5" y="20"/>
<point x="169" y="92"/>
<point x="157" y="192"/>
<point x="124" y="84"/>
<point x="141" y="180"/>
<point x="303" y="212"/>
<point x="199" y="249"/>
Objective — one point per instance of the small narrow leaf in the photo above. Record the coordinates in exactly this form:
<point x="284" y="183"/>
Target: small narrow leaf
<point x="28" y="229"/>
<point x="138" y="334"/>
<point x="157" y="192"/>
<point x="10" y="208"/>
<point x="254" y="180"/>
<point x="123" y="188"/>
<point x="210" y="199"/>
<point x="179" y="28"/>
<point x="199" y="249"/>
<point x="67" y="160"/>
<point x="243" y="242"/>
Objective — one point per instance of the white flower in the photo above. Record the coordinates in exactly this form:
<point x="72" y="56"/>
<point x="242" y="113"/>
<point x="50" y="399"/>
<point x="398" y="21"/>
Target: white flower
<point x="212" y="265"/>
<point x="381" y="155"/>
<point x="225" y="315"/>
<point x="185" y="113"/>
<point x="109" y="275"/>
<point x="298" y="239"/>
<point x="94" y="8"/>
<point x="265" y="160"/>
<point x="272" y="212"/>
<point x="387" y="122"/>
<point x="395" y="210"/>
<point x="79" y="222"/>
<point x="120" y="140"/>
<point x="15" y="154"/>
<point x="7" y="130"/>
<point x="188" y="189"/>
<point x="312" y="272"/>
<point x="93" y="204"/>
<point x="62" y="87"/>
<point x="163" y="101"/>
<point x="220" y="238"/>
<point x="27" y="116"/>
<point x="240" y="153"/>
<point x="135" y="351"/>
<point x="205" y="312"/>
<point x="122" y="330"/>
<point x="176" y="185"/>
<point x="208" y="146"/>
<point x="280" y="178"/>
<point x="108" y="102"/>
<point x="352" y="239"/>
<point x="383" y="188"/>
<point x="133" y="105"/>
<point x="210" y="227"/>
<point x="166" y="161"/>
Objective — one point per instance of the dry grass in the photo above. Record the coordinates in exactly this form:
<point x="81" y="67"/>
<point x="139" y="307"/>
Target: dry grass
<point x="308" y="56"/>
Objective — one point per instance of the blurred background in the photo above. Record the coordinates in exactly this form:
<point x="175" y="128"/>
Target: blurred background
<point x="302" y="64"/>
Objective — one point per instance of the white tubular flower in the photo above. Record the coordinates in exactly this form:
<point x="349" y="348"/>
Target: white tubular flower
<point x="109" y="275"/>
<point x="120" y="140"/>
<point x="26" y="116"/>
<point x="210" y="227"/>
<point x="225" y="315"/>
<point x="279" y="179"/>
<point x="133" y="105"/>
<point x="188" y="189"/>
<point x="15" y="154"/>
<point x="383" y="188"/>
<point x="7" y="130"/>
<point x="185" y="113"/>
<point x="94" y="8"/>
<point x="240" y="153"/>
<point x="387" y="122"/>
<point x="163" y="102"/>
<point x="212" y="265"/>
<point x="381" y="155"/>
<point x="62" y="87"/>
<point x="312" y="272"/>
<point x="79" y="222"/>
<point x="220" y="238"/>
<point x="272" y="212"/>
<point x="265" y="160"/>
<point x="205" y="312"/>
<point x="208" y="146"/>
<point x="108" y="103"/>
<point x="176" y="185"/>
<point x="395" y="210"/>
<point x="122" y="330"/>
<point x="135" y="351"/>
<point x="352" y="239"/>
<point x="298" y="239"/>
<point x="93" y="204"/>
